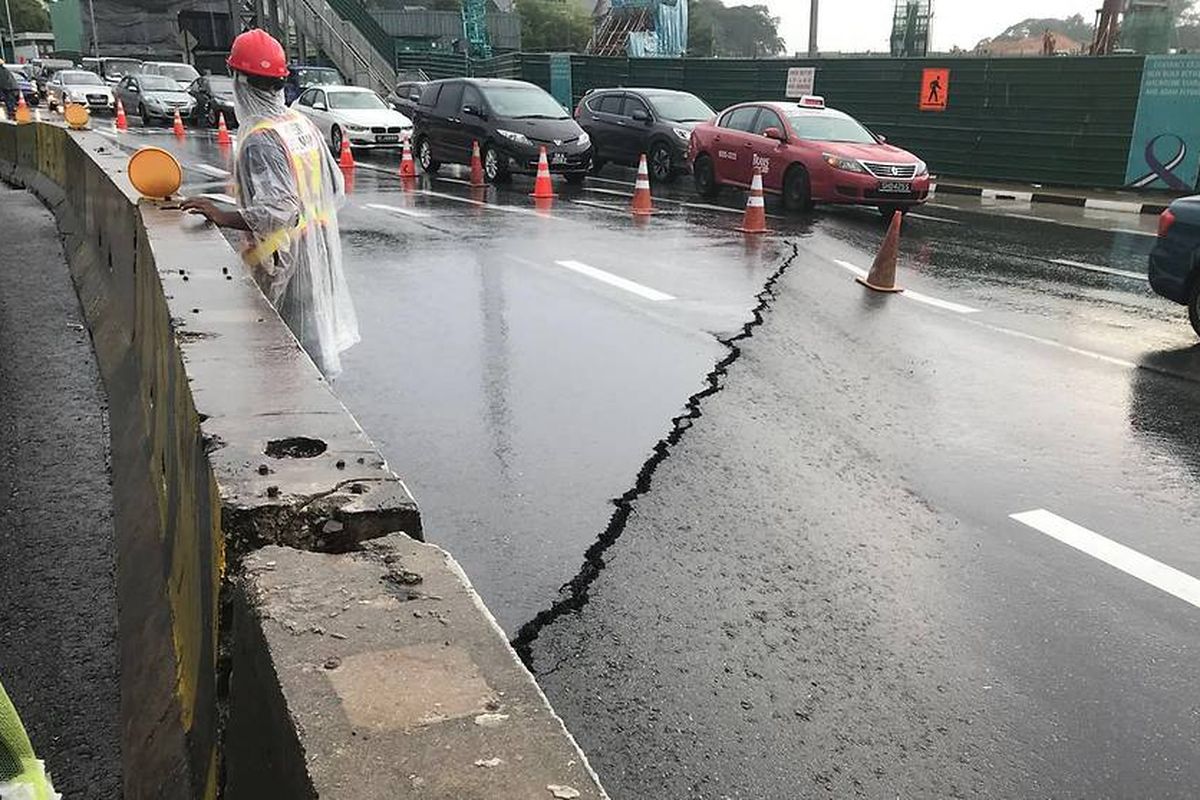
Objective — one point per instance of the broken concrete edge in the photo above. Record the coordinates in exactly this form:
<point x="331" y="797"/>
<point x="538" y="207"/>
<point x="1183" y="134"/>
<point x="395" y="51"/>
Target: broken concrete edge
<point x="192" y="474"/>
<point x="382" y="674"/>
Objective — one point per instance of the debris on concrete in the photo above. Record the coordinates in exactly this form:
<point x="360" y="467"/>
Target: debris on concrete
<point x="563" y="792"/>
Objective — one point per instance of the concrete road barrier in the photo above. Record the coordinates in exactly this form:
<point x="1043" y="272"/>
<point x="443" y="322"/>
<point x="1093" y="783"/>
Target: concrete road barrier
<point x="225" y="440"/>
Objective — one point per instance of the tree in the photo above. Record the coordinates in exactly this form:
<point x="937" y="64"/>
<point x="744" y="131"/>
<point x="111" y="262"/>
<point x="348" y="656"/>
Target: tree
<point x="554" y="25"/>
<point x="28" y="16"/>
<point x="738" y="32"/>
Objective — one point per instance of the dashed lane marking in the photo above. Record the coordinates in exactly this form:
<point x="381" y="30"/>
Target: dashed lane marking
<point x="404" y="212"/>
<point x="613" y="209"/>
<point x="491" y="206"/>
<point x="1066" y="262"/>
<point x="1130" y="561"/>
<point x="945" y="305"/>
<point x="1079" y="351"/>
<point x="930" y="218"/>
<point x="645" y="292"/>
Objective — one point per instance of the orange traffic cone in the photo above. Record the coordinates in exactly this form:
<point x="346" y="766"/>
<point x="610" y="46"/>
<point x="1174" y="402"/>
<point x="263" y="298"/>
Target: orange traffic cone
<point x="23" y="115"/>
<point x="408" y="169"/>
<point x="121" y="124"/>
<point x="883" y="272"/>
<point x="177" y="126"/>
<point x="755" y="219"/>
<point x="222" y="132"/>
<point x="543" y="187"/>
<point x="643" y="204"/>
<point x="476" y="166"/>
<point x="346" y="158"/>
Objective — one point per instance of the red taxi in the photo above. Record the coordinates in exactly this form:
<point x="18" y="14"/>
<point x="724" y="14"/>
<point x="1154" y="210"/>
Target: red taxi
<point x="808" y="154"/>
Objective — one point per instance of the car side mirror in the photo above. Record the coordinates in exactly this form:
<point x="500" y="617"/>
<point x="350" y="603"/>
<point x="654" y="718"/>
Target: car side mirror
<point x="319" y="106"/>
<point x="881" y="138"/>
<point x="473" y="110"/>
<point x="135" y="90"/>
<point x="641" y="115"/>
<point x="774" y="133"/>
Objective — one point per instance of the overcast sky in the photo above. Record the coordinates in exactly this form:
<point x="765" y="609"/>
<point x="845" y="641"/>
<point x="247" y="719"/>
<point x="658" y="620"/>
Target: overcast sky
<point x="861" y="25"/>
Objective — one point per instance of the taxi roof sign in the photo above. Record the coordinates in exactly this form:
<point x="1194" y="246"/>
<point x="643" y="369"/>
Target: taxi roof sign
<point x="812" y="101"/>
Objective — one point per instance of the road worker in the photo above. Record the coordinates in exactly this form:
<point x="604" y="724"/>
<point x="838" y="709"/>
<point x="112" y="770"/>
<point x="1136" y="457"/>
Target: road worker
<point x="288" y="187"/>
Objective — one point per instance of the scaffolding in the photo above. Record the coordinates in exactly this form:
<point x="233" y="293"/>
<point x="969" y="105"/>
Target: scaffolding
<point x="910" y="28"/>
<point x="640" y="29"/>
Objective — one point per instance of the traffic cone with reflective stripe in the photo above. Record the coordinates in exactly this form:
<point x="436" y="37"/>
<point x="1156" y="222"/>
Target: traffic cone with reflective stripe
<point x="121" y="124"/>
<point x="543" y="187"/>
<point x="643" y="204"/>
<point x="3" y="112"/>
<point x="222" y="132"/>
<point x="346" y="158"/>
<point x="476" y="166"/>
<point x="408" y="168"/>
<point x="755" y="220"/>
<point x="882" y="277"/>
<point x="177" y="126"/>
<point x="23" y="115"/>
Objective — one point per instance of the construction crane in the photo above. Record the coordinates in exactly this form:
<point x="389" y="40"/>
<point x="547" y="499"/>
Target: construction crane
<point x="1108" y="27"/>
<point x="475" y="30"/>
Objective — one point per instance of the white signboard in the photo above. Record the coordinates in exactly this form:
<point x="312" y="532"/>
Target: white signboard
<point x="800" y="81"/>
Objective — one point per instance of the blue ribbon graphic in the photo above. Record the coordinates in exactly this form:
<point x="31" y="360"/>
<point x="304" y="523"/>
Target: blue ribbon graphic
<point x="1161" y="171"/>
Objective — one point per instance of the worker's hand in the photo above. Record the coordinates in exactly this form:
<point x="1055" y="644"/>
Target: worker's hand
<point x="202" y="206"/>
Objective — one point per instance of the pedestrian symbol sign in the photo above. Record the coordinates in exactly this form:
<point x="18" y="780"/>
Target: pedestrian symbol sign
<point x="935" y="90"/>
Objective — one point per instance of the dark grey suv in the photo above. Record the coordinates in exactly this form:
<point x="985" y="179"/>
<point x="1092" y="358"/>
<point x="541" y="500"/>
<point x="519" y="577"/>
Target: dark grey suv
<point x="625" y="123"/>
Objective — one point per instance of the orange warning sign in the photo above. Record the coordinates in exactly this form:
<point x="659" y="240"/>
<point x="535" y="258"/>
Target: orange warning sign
<point x="935" y="90"/>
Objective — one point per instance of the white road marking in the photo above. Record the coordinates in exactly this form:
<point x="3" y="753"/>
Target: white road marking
<point x="602" y="207"/>
<point x="609" y="180"/>
<point x="915" y="215"/>
<point x="404" y="212"/>
<point x="607" y="191"/>
<point x="616" y="280"/>
<point x="220" y="198"/>
<point x="1066" y="262"/>
<point x="1029" y="337"/>
<point x="208" y="169"/>
<point x="491" y="206"/>
<point x="1126" y="559"/>
<point x="945" y="305"/>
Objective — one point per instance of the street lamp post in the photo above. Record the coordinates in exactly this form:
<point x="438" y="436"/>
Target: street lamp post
<point x="812" y="28"/>
<point x="12" y="34"/>
<point x="95" y="36"/>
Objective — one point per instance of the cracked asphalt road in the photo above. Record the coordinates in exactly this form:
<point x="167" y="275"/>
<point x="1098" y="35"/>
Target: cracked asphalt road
<point x="821" y="591"/>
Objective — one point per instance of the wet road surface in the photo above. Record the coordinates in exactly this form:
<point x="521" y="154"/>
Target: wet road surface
<point x="812" y="582"/>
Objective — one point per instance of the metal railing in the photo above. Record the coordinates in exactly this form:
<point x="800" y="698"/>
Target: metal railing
<point x="343" y="42"/>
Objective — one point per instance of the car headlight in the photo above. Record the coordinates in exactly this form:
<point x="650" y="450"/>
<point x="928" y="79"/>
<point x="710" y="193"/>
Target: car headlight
<point x="683" y="133"/>
<point x="922" y="168"/>
<point x="356" y="128"/>
<point x="513" y="136"/>
<point x="844" y="164"/>
<point x="584" y="140"/>
<point x="76" y="97"/>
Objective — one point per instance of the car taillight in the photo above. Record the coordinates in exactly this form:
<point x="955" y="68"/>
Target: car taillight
<point x="1165" y="221"/>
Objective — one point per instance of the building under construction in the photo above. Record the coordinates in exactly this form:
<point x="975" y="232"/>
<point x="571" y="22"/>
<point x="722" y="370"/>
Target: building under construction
<point x="640" y="29"/>
<point x="910" y="28"/>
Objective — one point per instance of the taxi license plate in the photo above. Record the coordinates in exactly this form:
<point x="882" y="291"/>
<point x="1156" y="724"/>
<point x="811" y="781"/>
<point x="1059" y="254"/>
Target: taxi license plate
<point x="895" y="186"/>
<point x="387" y="139"/>
<point x="558" y="159"/>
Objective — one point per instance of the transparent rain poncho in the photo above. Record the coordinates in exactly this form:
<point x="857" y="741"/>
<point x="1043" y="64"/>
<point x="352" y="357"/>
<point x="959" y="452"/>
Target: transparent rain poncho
<point x="288" y="190"/>
<point x="22" y="774"/>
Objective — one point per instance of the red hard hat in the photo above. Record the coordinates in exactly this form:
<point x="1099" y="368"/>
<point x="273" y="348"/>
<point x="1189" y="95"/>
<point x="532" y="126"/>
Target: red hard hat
<point x="256" y="52"/>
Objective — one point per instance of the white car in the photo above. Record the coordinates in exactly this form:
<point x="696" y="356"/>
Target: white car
<point x="79" y="86"/>
<point x="353" y="113"/>
<point x="181" y="73"/>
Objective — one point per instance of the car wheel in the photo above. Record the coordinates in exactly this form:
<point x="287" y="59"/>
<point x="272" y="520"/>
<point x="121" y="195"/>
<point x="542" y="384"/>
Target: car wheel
<point x="335" y="139"/>
<point x="494" y="170"/>
<point x="214" y="118"/>
<point x="142" y="114"/>
<point x="1194" y="306"/>
<point x="425" y="156"/>
<point x="705" y="177"/>
<point x="797" y="189"/>
<point x="662" y="163"/>
<point x="575" y="178"/>
<point x="597" y="165"/>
